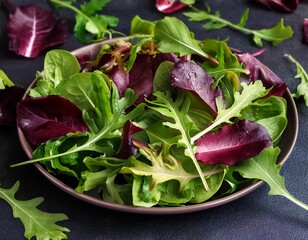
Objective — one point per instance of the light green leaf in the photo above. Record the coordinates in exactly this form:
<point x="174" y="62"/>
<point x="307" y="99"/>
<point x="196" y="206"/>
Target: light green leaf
<point x="264" y="167"/>
<point x="302" y="88"/>
<point x="4" y="80"/>
<point x="241" y="100"/>
<point x="37" y="223"/>
<point x="275" y="34"/>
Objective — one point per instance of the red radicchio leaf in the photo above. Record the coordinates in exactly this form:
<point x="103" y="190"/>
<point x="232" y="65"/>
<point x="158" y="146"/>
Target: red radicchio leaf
<point x="45" y="118"/>
<point x="306" y="30"/>
<point x="128" y="149"/>
<point x="169" y="6"/>
<point x="9" y="97"/>
<point x="31" y="29"/>
<point x="258" y="71"/>
<point x="192" y="77"/>
<point x="232" y="144"/>
<point x="282" y="5"/>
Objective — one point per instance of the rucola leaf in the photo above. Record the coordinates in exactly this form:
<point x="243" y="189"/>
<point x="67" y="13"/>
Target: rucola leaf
<point x="264" y="167"/>
<point x="37" y="223"/>
<point x="302" y="88"/>
<point x="241" y="100"/>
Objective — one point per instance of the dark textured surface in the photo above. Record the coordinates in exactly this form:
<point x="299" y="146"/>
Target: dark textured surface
<point x="255" y="216"/>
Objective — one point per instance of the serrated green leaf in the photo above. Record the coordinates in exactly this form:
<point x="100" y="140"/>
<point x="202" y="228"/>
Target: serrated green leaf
<point x="302" y="88"/>
<point x="4" y="80"/>
<point x="242" y="99"/>
<point x="37" y="223"/>
<point x="264" y="167"/>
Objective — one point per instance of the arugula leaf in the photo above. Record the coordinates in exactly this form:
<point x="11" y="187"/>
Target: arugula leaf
<point x="302" y="88"/>
<point x="275" y="34"/>
<point x="249" y="93"/>
<point x="173" y="35"/>
<point x="41" y="225"/>
<point x="264" y="167"/>
<point x="4" y="80"/>
<point x="87" y="21"/>
<point x="177" y="111"/>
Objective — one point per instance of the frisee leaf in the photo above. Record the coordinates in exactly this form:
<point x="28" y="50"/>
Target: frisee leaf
<point x="249" y="93"/>
<point x="37" y="223"/>
<point x="275" y="34"/>
<point x="88" y="22"/>
<point x="264" y="167"/>
<point x="302" y="88"/>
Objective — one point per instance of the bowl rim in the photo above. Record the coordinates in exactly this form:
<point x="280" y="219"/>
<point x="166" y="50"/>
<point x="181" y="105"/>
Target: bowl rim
<point x="93" y="49"/>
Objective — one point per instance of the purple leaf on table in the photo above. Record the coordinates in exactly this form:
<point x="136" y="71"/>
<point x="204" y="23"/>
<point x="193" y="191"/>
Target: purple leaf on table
<point x="31" y="29"/>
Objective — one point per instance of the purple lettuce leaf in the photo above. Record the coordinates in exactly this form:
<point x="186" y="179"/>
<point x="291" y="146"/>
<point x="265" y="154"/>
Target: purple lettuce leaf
<point x="258" y="71"/>
<point x="50" y="117"/>
<point x="282" y="5"/>
<point x="192" y="77"/>
<point x="306" y="30"/>
<point x="128" y="148"/>
<point x="169" y="6"/>
<point x="31" y="29"/>
<point x="9" y="97"/>
<point x="232" y="144"/>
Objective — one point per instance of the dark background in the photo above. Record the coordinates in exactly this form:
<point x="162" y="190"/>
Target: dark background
<point x="255" y="216"/>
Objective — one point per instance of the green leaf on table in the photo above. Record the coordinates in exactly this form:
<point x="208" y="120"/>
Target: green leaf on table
<point x="88" y="21"/>
<point x="275" y="34"/>
<point x="4" y="80"/>
<point x="264" y="167"/>
<point x="302" y="88"/>
<point x="37" y="223"/>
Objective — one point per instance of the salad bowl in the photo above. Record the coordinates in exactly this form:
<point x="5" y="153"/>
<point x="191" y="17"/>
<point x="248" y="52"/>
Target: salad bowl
<point x="286" y="145"/>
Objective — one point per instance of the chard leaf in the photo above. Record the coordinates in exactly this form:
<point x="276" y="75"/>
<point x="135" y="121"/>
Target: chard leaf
<point x="302" y="88"/>
<point x="177" y="111"/>
<point x="232" y="144"/>
<point x="173" y="36"/>
<point x="242" y="99"/>
<point x="275" y="34"/>
<point x="264" y="167"/>
<point x="41" y="225"/>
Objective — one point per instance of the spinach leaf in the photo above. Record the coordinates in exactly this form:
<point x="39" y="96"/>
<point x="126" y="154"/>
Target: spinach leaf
<point x="173" y="36"/>
<point x="59" y="65"/>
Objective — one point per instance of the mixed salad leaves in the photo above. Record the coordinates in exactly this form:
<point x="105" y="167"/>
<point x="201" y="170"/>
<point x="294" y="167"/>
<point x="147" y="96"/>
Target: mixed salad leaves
<point x="159" y="119"/>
